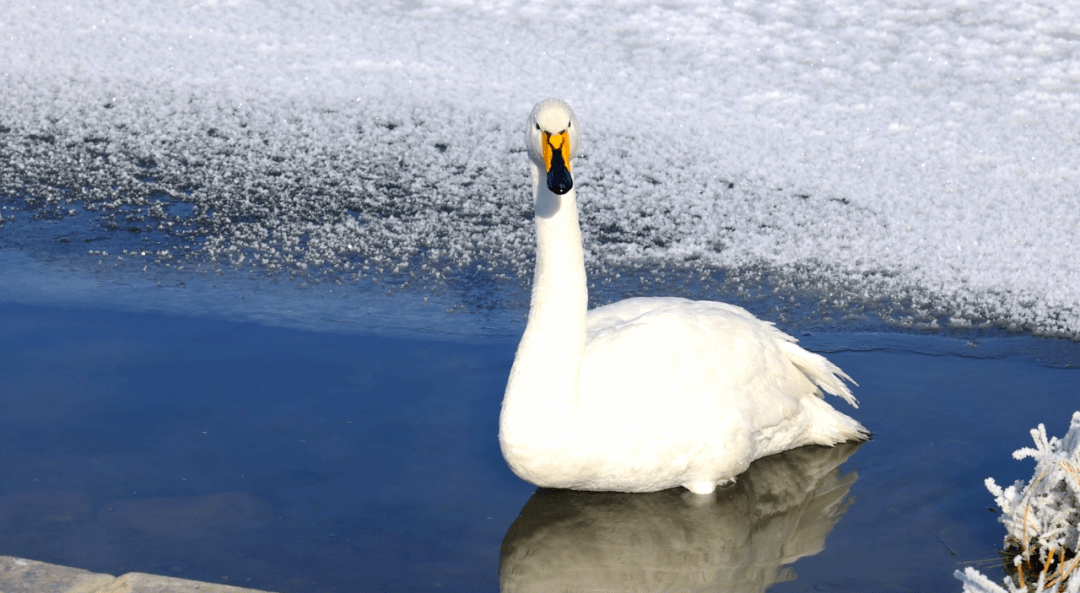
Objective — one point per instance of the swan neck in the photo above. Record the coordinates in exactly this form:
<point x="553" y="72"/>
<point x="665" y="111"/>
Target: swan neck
<point x="539" y="411"/>
<point x="548" y="360"/>
<point x="560" y="293"/>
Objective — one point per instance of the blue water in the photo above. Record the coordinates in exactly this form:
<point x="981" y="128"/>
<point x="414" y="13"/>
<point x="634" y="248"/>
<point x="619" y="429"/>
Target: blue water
<point x="305" y="460"/>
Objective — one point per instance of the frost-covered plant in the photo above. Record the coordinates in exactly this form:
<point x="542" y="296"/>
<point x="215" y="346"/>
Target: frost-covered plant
<point x="1042" y="518"/>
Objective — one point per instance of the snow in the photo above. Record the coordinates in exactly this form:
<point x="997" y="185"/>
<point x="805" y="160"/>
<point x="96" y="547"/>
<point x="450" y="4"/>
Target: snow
<point x="1042" y="517"/>
<point x="911" y="156"/>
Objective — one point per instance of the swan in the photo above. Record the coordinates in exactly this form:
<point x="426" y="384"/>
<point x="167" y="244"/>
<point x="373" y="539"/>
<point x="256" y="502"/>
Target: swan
<point x="647" y="393"/>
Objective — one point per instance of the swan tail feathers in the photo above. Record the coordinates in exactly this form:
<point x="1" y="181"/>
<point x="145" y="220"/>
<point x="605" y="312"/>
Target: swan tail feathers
<point x="822" y="373"/>
<point x="830" y="427"/>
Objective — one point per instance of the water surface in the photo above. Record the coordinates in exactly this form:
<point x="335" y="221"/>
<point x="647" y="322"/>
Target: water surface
<point x="301" y="460"/>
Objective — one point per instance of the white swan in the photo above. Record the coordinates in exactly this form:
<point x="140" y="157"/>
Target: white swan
<point x="646" y="393"/>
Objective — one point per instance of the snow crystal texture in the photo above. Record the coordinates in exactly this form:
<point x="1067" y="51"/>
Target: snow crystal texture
<point x="1042" y="517"/>
<point x="917" y="152"/>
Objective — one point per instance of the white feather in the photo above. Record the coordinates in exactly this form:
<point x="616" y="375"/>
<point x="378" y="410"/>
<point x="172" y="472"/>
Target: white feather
<point x="648" y="393"/>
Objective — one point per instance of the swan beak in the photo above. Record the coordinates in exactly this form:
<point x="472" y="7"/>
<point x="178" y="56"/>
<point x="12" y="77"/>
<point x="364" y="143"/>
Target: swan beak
<point x="557" y="159"/>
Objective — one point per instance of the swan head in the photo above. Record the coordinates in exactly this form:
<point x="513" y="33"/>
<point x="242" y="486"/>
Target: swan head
<point x="552" y="138"/>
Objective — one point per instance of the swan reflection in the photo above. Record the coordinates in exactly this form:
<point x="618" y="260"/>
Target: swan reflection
<point x="739" y="539"/>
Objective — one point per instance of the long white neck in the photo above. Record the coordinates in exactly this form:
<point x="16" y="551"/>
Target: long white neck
<point x="556" y="327"/>
<point x="543" y="383"/>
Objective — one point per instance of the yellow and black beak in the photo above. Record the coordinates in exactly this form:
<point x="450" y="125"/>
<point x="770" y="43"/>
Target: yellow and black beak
<point x="557" y="161"/>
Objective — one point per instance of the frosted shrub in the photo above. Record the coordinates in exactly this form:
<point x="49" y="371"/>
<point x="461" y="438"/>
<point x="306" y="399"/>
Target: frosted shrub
<point x="1042" y="518"/>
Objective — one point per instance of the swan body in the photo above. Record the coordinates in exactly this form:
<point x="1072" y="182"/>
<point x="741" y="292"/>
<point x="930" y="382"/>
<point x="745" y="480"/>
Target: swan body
<point x="647" y="393"/>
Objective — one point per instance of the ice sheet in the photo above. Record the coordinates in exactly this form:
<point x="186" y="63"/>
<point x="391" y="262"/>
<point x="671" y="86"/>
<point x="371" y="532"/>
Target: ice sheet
<point x="911" y="156"/>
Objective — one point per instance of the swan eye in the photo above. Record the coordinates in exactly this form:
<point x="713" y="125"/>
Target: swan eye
<point x="568" y="124"/>
<point x="537" y="126"/>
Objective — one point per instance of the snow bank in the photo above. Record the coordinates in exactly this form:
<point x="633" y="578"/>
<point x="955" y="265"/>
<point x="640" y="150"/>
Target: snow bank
<point x="917" y="159"/>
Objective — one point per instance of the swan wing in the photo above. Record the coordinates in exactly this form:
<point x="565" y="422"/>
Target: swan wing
<point x="712" y="373"/>
<point x="667" y="335"/>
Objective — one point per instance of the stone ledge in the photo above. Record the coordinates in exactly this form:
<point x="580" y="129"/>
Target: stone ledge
<point x="29" y="576"/>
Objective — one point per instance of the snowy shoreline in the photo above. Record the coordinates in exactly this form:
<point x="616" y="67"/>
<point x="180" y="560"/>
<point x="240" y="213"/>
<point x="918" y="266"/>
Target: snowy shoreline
<point x="876" y="154"/>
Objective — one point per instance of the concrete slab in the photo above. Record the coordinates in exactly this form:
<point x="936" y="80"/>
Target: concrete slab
<point x="18" y="575"/>
<point x="27" y="576"/>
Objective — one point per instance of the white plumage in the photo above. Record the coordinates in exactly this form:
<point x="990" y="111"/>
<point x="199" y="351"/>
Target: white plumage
<point x="646" y="393"/>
